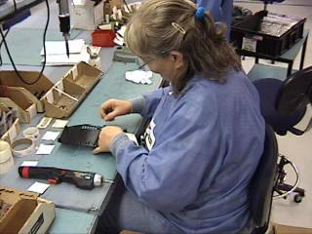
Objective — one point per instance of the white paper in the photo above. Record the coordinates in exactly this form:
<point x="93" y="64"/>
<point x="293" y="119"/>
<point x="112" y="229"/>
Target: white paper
<point x="38" y="187"/>
<point x="29" y="163"/>
<point x="139" y="76"/>
<point x="59" y="123"/>
<point x="45" y="149"/>
<point x="50" y="136"/>
<point x="59" y="47"/>
<point x="62" y="59"/>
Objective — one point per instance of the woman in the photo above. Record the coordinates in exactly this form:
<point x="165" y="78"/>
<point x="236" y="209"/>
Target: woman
<point x="206" y="132"/>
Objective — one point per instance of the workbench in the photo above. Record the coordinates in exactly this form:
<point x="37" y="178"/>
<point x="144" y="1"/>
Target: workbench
<point x="78" y="210"/>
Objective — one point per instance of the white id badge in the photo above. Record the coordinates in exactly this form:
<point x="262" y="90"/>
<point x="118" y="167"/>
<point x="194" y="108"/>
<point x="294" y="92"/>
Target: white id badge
<point x="149" y="136"/>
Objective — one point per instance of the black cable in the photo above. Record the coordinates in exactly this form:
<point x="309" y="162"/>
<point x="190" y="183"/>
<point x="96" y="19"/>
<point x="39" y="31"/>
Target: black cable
<point x="44" y="49"/>
<point x="5" y="35"/>
<point x="127" y="6"/>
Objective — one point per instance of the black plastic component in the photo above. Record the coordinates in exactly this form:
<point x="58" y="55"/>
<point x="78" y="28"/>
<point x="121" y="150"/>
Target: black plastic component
<point x="83" y="135"/>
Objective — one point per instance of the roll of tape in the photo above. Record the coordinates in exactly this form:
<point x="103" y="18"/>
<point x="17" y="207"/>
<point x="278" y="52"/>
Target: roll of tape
<point x="31" y="132"/>
<point x="22" y="147"/>
<point x="6" y="159"/>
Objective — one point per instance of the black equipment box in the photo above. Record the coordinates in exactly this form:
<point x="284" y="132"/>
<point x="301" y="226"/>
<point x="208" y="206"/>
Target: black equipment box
<point x="267" y="34"/>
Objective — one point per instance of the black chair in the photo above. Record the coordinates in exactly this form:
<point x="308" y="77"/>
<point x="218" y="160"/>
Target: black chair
<point x="283" y="105"/>
<point x="262" y="184"/>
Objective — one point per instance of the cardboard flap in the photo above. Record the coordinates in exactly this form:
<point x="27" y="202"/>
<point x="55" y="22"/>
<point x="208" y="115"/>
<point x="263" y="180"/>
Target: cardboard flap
<point x="10" y="78"/>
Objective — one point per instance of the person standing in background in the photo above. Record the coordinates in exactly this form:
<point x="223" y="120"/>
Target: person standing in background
<point x="221" y="10"/>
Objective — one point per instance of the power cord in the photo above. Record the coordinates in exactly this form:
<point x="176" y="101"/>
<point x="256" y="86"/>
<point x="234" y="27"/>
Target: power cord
<point x="5" y="35"/>
<point x="44" y="48"/>
<point x="127" y="6"/>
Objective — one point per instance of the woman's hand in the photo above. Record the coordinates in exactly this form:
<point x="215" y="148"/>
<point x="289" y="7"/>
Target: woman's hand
<point x="107" y="134"/>
<point x="113" y="108"/>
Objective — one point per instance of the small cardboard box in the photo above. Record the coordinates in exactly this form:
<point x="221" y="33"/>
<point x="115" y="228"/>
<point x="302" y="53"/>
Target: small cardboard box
<point x="84" y="75"/>
<point x="87" y="15"/>
<point x="285" y="229"/>
<point x="69" y="92"/>
<point x="24" y="212"/>
<point x="34" y="91"/>
<point x="12" y="132"/>
<point x="26" y="108"/>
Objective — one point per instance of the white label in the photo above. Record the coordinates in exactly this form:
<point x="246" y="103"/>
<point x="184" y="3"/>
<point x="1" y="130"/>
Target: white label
<point x="49" y="96"/>
<point x="59" y="123"/>
<point x="45" y="149"/>
<point x="38" y="187"/>
<point x="29" y="163"/>
<point x="50" y="136"/>
<point x="60" y="85"/>
<point x="75" y="72"/>
<point x="132" y="138"/>
<point x="12" y="133"/>
<point x="249" y="44"/>
<point x="32" y="111"/>
<point x="149" y="135"/>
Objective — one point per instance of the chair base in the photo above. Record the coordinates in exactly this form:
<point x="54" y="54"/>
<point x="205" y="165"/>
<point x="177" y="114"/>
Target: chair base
<point x="284" y="189"/>
<point x="300" y="192"/>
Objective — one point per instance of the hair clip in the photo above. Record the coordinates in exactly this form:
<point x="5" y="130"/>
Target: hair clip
<point x="178" y="27"/>
<point x="199" y="13"/>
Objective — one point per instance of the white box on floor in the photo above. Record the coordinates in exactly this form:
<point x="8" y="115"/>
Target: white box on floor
<point x="86" y="15"/>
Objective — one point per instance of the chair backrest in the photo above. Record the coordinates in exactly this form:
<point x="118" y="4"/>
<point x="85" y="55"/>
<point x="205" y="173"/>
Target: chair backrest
<point x="262" y="184"/>
<point x="296" y="92"/>
<point x="269" y="92"/>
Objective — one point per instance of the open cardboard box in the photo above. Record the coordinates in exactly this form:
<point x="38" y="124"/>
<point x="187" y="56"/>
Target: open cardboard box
<point x="63" y="99"/>
<point x="65" y="96"/>
<point x="35" y="91"/>
<point x="84" y="75"/>
<point x="24" y="212"/>
<point x="26" y="108"/>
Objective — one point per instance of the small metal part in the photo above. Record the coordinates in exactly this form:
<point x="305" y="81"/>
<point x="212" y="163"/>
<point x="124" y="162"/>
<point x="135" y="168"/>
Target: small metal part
<point x="98" y="180"/>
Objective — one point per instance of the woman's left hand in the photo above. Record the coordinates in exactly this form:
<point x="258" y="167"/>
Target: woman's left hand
<point x="107" y="134"/>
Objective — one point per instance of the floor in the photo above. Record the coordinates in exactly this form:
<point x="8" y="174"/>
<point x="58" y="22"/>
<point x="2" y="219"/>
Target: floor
<point x="297" y="149"/>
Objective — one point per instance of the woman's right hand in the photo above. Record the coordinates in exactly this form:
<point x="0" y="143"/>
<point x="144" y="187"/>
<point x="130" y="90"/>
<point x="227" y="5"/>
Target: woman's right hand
<point x="113" y="108"/>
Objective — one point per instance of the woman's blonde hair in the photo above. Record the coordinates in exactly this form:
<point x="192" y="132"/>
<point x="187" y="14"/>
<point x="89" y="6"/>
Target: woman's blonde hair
<point x="161" y="26"/>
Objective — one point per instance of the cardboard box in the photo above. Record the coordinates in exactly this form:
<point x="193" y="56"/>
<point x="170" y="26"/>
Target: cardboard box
<point x="34" y="92"/>
<point x="65" y="96"/>
<point x="84" y="75"/>
<point x="12" y="132"/>
<point x="87" y="15"/>
<point x="26" y="108"/>
<point x="24" y="212"/>
<point x="285" y="229"/>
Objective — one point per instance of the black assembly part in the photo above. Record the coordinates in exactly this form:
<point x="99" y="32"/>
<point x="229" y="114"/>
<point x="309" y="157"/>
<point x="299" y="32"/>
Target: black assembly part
<point x="83" y="135"/>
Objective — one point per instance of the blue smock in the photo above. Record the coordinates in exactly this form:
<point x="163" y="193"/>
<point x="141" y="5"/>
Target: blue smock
<point x="204" y="148"/>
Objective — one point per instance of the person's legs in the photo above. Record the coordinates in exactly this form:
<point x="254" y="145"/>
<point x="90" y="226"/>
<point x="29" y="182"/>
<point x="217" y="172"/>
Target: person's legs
<point x="124" y="212"/>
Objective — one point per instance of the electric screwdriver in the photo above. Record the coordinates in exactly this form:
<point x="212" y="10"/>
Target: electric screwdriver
<point x="64" y="21"/>
<point x="82" y="179"/>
